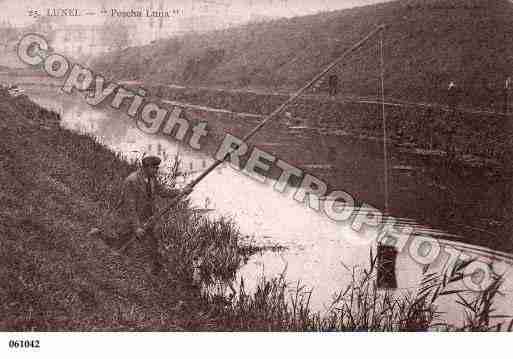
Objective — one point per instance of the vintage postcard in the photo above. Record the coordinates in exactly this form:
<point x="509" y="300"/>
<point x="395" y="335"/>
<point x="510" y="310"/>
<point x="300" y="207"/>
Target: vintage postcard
<point x="244" y="165"/>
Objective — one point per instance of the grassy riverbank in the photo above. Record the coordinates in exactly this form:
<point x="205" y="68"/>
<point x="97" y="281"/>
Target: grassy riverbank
<point x="57" y="184"/>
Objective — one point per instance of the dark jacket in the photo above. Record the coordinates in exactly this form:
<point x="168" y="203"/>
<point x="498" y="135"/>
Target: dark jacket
<point x="137" y="203"/>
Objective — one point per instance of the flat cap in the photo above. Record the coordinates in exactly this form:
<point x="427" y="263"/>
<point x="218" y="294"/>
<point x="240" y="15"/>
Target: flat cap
<point x="150" y="161"/>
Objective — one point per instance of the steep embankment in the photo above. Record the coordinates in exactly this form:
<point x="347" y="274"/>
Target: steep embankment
<point x="54" y="186"/>
<point x="427" y="44"/>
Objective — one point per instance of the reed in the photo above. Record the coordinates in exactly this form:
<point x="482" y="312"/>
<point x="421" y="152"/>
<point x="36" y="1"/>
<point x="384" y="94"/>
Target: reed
<point x="276" y="305"/>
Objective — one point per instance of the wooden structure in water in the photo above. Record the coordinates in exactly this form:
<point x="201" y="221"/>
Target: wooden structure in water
<point x="387" y="257"/>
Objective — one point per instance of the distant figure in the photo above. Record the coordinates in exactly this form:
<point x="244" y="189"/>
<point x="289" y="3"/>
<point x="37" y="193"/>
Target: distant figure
<point x="451" y="122"/>
<point x="333" y="85"/>
<point x="452" y="95"/>
<point x="507" y="87"/>
<point x="138" y="206"/>
<point x="288" y="118"/>
<point x="505" y="100"/>
<point x="332" y="154"/>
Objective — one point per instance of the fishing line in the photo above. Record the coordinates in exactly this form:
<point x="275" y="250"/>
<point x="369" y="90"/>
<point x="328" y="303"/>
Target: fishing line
<point x="385" y="146"/>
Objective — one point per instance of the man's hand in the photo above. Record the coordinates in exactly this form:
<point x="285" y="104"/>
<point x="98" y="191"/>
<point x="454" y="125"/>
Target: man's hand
<point x="139" y="233"/>
<point x="187" y="190"/>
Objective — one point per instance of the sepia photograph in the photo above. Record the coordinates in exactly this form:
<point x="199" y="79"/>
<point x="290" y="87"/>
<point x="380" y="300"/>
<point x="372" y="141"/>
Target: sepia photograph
<point x="255" y="166"/>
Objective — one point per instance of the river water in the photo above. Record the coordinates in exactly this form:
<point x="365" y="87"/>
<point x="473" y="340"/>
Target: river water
<point x="318" y="253"/>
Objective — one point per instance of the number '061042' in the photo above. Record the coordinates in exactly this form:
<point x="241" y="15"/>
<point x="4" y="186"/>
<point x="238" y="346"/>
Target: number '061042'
<point x="19" y="344"/>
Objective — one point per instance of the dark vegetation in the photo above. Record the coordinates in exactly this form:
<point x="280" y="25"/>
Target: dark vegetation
<point x="428" y="43"/>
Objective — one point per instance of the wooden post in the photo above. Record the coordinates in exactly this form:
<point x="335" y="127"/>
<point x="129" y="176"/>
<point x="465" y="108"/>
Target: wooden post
<point x="387" y="256"/>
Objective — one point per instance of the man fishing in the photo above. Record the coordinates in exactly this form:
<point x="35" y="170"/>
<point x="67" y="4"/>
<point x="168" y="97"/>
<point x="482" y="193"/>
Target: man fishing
<point x="138" y="206"/>
<point x="139" y="187"/>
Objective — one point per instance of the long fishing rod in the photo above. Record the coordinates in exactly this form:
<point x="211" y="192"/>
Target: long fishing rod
<point x="269" y="117"/>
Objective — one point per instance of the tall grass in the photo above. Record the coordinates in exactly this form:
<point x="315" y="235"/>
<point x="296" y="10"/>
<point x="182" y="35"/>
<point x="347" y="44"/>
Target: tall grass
<point x="198" y="249"/>
<point x="275" y="305"/>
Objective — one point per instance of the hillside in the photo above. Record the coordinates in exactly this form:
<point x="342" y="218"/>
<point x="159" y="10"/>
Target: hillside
<point x="427" y="44"/>
<point x="55" y="186"/>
